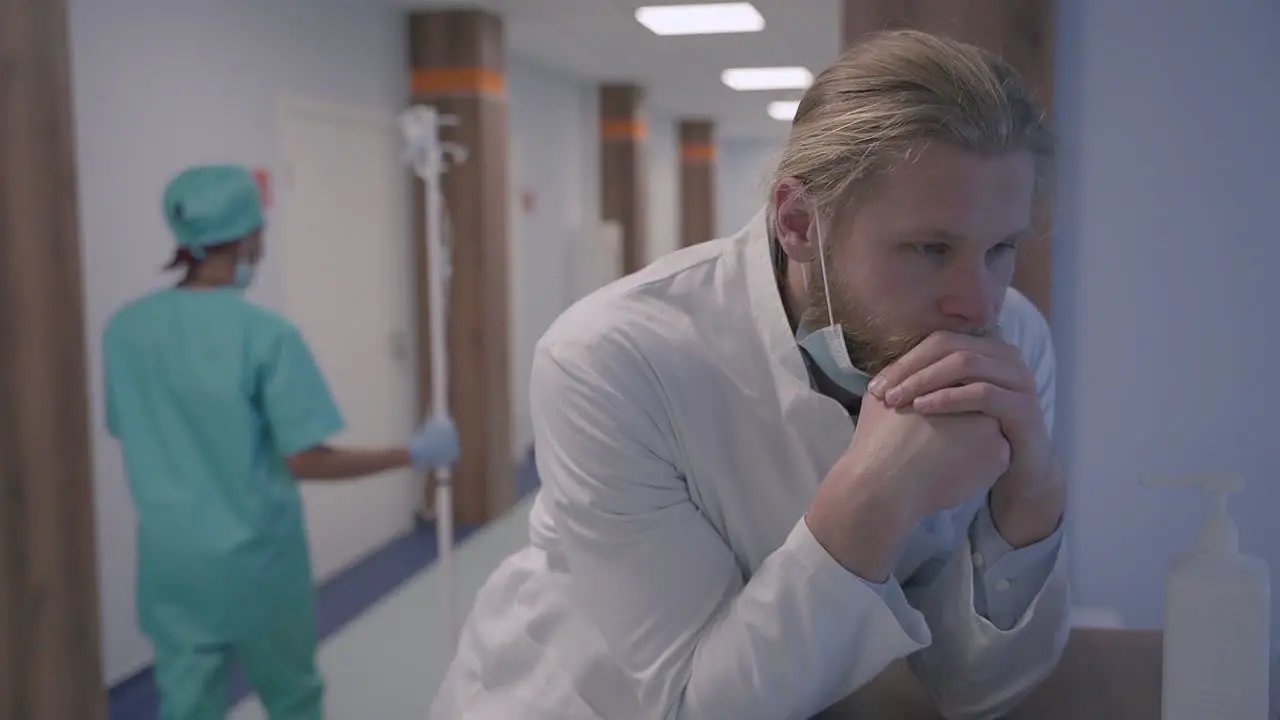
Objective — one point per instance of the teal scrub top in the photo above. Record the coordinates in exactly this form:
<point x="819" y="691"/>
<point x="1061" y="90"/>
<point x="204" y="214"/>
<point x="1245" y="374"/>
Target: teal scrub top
<point x="208" y="395"/>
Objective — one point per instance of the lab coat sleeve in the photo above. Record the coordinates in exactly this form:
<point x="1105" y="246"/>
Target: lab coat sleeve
<point x="1007" y="580"/>
<point x="661" y="585"/>
<point x="988" y="654"/>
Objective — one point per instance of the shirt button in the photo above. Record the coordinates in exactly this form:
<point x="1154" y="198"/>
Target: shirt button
<point x="979" y="561"/>
<point x="1003" y="585"/>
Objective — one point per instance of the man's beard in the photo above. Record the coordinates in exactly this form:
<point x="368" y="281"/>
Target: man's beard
<point x="872" y="345"/>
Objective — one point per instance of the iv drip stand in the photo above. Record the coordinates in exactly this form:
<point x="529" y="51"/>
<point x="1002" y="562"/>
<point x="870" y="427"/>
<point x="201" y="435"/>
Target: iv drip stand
<point x="420" y="126"/>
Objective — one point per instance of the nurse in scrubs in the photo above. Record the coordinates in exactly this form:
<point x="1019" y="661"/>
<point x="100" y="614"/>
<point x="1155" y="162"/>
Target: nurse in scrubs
<point x="221" y="409"/>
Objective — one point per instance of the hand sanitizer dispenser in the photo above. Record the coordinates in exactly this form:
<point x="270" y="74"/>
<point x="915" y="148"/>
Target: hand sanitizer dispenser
<point x="1217" y="622"/>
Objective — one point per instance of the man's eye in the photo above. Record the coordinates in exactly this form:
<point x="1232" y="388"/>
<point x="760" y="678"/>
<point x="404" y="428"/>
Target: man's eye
<point x="1004" y="248"/>
<point x="933" y="249"/>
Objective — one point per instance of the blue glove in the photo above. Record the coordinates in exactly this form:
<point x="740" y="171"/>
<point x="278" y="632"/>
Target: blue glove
<point x="435" y="444"/>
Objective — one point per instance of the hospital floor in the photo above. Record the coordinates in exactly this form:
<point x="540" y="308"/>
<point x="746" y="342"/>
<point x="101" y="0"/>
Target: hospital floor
<point x="385" y="642"/>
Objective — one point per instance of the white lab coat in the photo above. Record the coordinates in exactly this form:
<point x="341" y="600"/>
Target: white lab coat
<point x="670" y="573"/>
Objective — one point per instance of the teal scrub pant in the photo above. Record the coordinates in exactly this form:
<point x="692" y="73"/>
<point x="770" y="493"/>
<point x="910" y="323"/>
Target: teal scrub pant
<point x="194" y="680"/>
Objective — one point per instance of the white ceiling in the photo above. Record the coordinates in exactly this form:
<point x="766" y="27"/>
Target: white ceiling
<point x="600" y="41"/>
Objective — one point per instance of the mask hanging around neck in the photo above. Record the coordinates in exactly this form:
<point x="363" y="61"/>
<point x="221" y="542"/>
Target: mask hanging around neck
<point x="826" y="345"/>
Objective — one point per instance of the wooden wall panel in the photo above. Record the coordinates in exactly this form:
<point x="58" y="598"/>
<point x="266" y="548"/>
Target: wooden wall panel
<point x="50" y="653"/>
<point x="697" y="181"/>
<point x="1020" y="31"/>
<point x="623" y="185"/>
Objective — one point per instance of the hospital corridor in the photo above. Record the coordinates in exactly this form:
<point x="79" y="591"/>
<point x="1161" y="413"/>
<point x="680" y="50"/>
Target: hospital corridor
<point x="639" y="359"/>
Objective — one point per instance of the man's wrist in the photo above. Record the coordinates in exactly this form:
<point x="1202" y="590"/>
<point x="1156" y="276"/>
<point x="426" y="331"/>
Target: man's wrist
<point x="861" y="527"/>
<point x="1027" y="511"/>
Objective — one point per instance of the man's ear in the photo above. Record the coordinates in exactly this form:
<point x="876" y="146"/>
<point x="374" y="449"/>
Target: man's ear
<point x="794" y="218"/>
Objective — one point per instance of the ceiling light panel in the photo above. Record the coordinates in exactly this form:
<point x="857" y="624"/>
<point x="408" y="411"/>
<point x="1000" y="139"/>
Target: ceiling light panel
<point x="784" y="110"/>
<point x="767" y="78"/>
<point x="701" y="19"/>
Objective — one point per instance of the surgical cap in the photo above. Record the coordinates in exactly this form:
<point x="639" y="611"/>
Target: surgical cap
<point x="212" y="205"/>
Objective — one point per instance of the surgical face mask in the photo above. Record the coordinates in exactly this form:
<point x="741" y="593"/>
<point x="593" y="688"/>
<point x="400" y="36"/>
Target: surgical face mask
<point x="826" y="345"/>
<point x="243" y="277"/>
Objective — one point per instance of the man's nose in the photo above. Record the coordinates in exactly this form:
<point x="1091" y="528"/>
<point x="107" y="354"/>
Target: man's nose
<point x="970" y="298"/>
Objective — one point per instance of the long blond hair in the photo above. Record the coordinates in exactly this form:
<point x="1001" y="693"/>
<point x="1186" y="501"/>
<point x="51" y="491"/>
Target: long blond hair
<point x="889" y="95"/>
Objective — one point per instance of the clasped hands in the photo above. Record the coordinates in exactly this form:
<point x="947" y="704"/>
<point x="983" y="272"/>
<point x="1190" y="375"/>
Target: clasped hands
<point x="977" y="380"/>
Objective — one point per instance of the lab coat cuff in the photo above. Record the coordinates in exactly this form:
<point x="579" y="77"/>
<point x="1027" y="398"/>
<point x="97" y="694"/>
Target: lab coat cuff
<point x="1000" y="559"/>
<point x="977" y="667"/>
<point x="827" y="571"/>
<point x="1008" y="580"/>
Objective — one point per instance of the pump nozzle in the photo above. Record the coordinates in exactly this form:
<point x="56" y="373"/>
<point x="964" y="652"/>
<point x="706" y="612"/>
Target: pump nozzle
<point x="1220" y="535"/>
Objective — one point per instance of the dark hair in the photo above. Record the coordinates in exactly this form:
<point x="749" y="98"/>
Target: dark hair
<point x="185" y="258"/>
<point x="182" y="257"/>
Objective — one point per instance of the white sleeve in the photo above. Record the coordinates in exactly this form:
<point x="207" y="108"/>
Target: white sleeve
<point x="663" y="587"/>
<point x="1007" y="580"/>
<point x="976" y="668"/>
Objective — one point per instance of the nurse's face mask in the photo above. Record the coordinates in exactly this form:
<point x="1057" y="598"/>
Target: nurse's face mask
<point x="247" y="263"/>
<point x="244" y="273"/>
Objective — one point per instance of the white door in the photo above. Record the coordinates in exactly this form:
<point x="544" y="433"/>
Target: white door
<point x="348" y="282"/>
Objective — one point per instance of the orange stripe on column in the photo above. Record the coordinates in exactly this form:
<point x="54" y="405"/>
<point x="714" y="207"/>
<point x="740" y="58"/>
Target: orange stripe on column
<point x="697" y="153"/>
<point x="623" y="129"/>
<point x="458" y="81"/>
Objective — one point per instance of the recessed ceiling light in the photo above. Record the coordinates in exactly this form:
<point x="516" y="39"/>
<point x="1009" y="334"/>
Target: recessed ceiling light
<point x="702" y="19"/>
<point x="784" y="110"/>
<point x="767" y="78"/>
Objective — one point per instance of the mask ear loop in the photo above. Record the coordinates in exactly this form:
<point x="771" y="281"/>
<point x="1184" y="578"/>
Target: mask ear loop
<point x="826" y="286"/>
<point x="835" y="338"/>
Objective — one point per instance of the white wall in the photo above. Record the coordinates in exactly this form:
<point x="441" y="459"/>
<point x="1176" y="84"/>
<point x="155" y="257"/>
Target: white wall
<point x="554" y="121"/>
<point x="743" y="166"/>
<point x="555" y="157"/>
<point x="662" y="166"/>
<point x="160" y="84"/>
<point x="1165" y="268"/>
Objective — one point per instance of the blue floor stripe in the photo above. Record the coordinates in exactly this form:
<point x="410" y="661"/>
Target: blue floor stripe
<point x="339" y="601"/>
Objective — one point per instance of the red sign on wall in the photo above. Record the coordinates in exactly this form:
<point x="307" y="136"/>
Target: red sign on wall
<point x="263" y="177"/>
